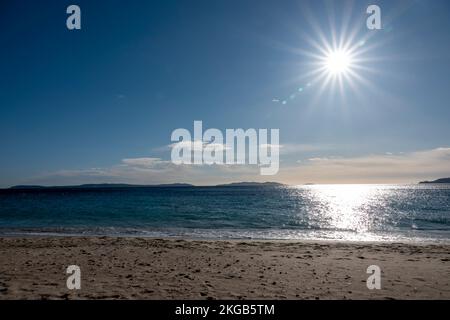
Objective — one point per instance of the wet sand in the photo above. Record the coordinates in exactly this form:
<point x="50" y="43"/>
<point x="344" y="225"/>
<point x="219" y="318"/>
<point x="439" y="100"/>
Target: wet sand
<point x="143" y="268"/>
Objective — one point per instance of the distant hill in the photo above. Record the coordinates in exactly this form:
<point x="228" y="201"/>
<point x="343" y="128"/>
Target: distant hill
<point x="124" y="185"/>
<point x="250" y="184"/>
<point x="101" y="186"/>
<point x="26" y="187"/>
<point x="441" y="180"/>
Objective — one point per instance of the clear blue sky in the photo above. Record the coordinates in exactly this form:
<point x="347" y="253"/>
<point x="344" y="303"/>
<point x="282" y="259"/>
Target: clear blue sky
<point x="75" y="104"/>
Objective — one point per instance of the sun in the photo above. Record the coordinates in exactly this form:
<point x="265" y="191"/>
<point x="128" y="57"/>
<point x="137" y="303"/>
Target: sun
<point x="335" y="59"/>
<point x="338" y="62"/>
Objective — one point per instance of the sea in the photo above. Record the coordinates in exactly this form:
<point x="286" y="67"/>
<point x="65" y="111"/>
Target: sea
<point x="393" y="213"/>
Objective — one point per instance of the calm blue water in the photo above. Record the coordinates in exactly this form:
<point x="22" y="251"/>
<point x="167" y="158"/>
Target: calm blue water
<point x="346" y="212"/>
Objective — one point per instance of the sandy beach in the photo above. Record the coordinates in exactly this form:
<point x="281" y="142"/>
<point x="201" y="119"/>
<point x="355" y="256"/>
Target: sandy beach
<point x="143" y="268"/>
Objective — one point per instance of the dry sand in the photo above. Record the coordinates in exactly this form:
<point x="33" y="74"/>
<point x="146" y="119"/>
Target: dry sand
<point x="142" y="268"/>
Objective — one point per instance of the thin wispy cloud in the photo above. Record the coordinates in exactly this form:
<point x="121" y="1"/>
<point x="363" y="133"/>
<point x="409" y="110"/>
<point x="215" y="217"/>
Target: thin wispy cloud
<point x="146" y="163"/>
<point x="376" y="168"/>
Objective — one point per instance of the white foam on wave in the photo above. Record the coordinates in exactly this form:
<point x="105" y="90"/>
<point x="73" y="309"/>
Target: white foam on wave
<point x="249" y="234"/>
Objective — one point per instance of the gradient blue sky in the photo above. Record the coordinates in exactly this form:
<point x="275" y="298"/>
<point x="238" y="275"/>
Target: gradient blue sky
<point x="99" y="104"/>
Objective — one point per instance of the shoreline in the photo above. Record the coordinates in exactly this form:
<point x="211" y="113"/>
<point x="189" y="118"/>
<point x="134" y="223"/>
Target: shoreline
<point x="368" y="243"/>
<point x="412" y="238"/>
<point x="409" y="242"/>
<point x="173" y="268"/>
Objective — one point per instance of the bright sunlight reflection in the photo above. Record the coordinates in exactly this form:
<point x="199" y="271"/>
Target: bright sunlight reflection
<point x="341" y="204"/>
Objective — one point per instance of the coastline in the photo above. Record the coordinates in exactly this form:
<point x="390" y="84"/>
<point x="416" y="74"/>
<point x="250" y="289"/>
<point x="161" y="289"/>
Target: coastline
<point x="154" y="268"/>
